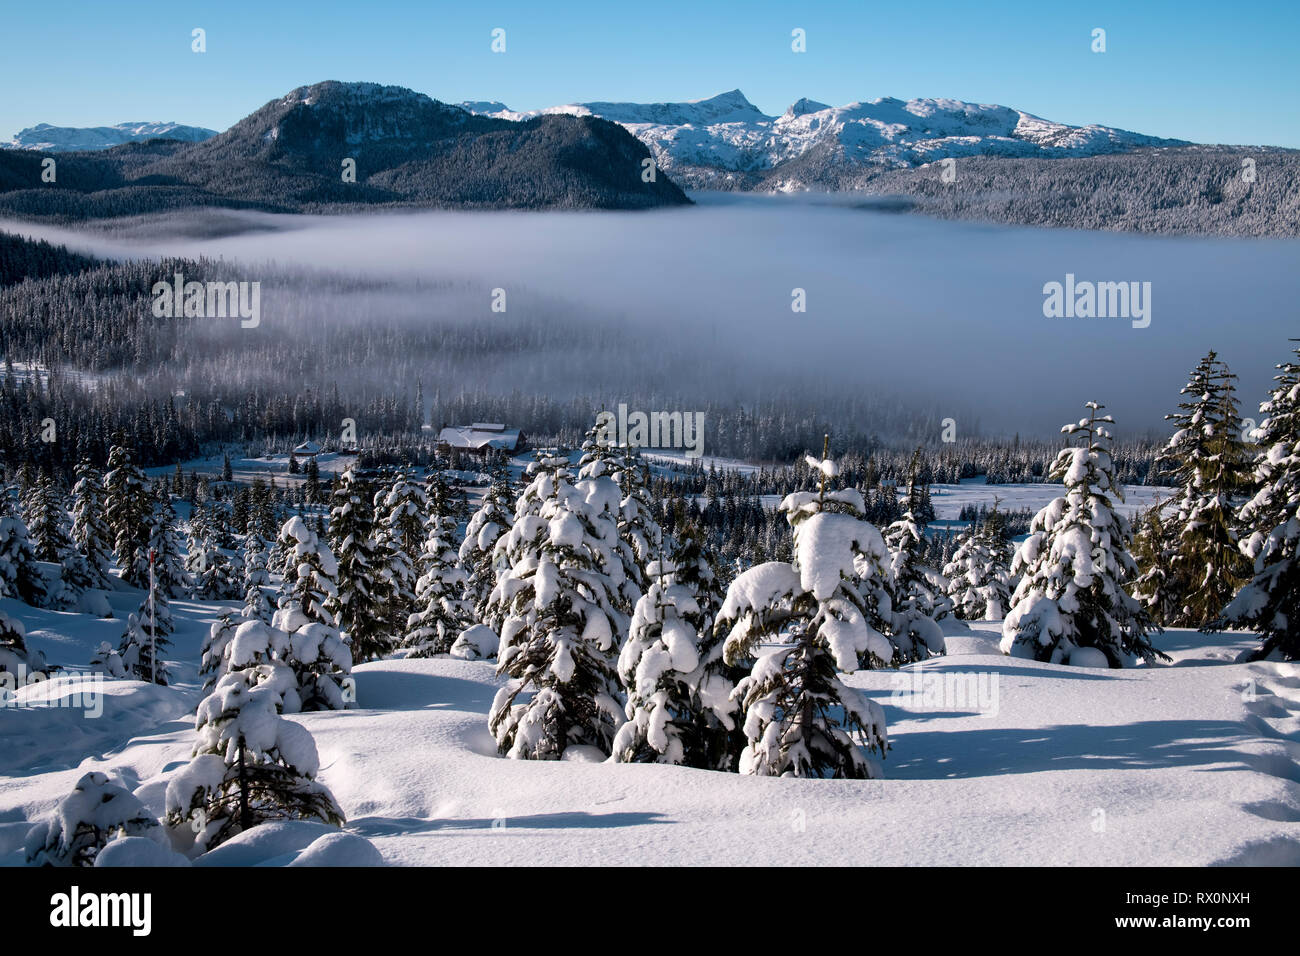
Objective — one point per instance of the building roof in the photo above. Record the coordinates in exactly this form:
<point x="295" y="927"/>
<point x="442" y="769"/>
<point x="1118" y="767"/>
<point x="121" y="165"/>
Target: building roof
<point x="307" y="448"/>
<point x="479" y="436"/>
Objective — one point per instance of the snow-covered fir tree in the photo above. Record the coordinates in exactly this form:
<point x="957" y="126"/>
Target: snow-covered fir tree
<point x="20" y="575"/>
<point x="400" y="509"/>
<point x="679" y="706"/>
<point x="256" y="603"/>
<point x="824" y="612"/>
<point x="1270" y="601"/>
<point x="144" y="641"/>
<point x="979" y="573"/>
<point x="162" y="548"/>
<point x="310" y="572"/>
<point x="1153" y="552"/>
<point x="1071" y="606"/>
<point x="321" y="659"/>
<point x="1206" y="463"/>
<point x="48" y="523"/>
<point x="127" y="506"/>
<point x="15" y="657"/>
<point x="256" y="577"/>
<point x="213" y="652"/>
<point x="250" y="766"/>
<point x="90" y="531"/>
<point x="96" y="812"/>
<point x="601" y="459"/>
<point x="917" y="594"/>
<point x="212" y="569"/>
<point x="478" y="551"/>
<point x="359" y="605"/>
<point x="106" y="660"/>
<point x="636" y="523"/>
<point x="560" y="604"/>
<point x="319" y="654"/>
<point x="442" y="611"/>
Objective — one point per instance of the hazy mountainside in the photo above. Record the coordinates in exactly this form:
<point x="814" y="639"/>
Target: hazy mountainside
<point x="408" y="149"/>
<point x="57" y="139"/>
<point x="22" y="258"/>
<point x="727" y="142"/>
<point x="1195" y="190"/>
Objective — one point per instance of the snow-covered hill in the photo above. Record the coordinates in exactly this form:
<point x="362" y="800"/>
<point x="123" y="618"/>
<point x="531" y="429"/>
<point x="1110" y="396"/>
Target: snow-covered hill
<point x="726" y="134"/>
<point x="58" y="139"/>
<point x="1040" y="764"/>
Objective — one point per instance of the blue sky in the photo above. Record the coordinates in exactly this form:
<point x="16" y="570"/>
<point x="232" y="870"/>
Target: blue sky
<point x="1191" y="70"/>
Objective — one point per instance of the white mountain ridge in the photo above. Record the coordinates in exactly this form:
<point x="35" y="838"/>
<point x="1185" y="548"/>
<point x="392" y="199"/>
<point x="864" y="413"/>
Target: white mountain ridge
<point x="54" y="139"/>
<point x="727" y="133"/>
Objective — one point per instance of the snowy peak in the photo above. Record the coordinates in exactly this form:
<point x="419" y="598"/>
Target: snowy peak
<point x="706" y="142"/>
<point x="725" y="108"/>
<point x="54" y="139"/>
<point x="804" y="105"/>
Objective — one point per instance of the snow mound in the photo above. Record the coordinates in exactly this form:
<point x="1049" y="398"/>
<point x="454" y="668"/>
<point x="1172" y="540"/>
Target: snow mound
<point x="293" y="843"/>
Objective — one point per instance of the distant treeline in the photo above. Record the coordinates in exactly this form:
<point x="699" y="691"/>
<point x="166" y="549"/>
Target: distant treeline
<point x="1187" y="190"/>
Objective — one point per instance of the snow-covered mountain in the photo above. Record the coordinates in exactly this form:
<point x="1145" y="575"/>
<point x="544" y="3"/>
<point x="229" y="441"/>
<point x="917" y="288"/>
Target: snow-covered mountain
<point x="726" y="135"/>
<point x="57" y="139"/>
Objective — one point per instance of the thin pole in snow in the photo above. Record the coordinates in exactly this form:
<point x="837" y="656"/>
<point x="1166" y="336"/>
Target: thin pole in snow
<point x="153" y="624"/>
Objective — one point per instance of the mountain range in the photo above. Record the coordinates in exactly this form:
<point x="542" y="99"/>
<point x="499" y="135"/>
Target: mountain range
<point x="727" y="142"/>
<point x="60" y="139"/>
<point x="411" y="150"/>
<point x="404" y="148"/>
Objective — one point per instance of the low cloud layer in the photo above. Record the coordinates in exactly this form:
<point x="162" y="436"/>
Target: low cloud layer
<point x="945" y="314"/>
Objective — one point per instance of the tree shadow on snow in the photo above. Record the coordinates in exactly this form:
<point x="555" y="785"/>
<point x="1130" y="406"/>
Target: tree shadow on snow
<point x="1145" y="745"/>
<point x="405" y="690"/>
<point x="570" y="820"/>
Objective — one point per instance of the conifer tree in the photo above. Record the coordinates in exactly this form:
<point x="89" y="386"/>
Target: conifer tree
<point x="250" y="766"/>
<point x="90" y="530"/>
<point x="106" y="660"/>
<point x="48" y="522"/>
<point x="212" y="569"/>
<point x="443" y="612"/>
<point x="637" y="526"/>
<point x="1071" y="605"/>
<point x="310" y="572"/>
<point x="559" y="601"/>
<point x="1270" y="601"/>
<point x="127" y="506"/>
<point x="145" y="640"/>
<point x="477" y="552"/>
<point x="359" y="604"/>
<point x="1153" y="552"/>
<point x="401" y="512"/>
<point x="319" y="654"/>
<point x="20" y="576"/>
<point x="679" y="706"/>
<point x="601" y="459"/>
<point x="15" y="657"/>
<point x="169" y="574"/>
<point x="824" y="611"/>
<point x="917" y="598"/>
<point x="320" y="658"/>
<point x="1206" y="462"/>
<point x="95" y="813"/>
<point x="979" y="572"/>
<point x="256" y="577"/>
